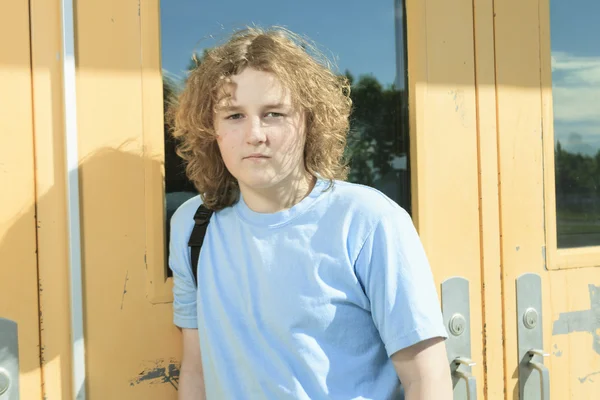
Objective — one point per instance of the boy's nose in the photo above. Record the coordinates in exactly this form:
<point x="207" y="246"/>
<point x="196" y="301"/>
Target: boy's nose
<point x="255" y="133"/>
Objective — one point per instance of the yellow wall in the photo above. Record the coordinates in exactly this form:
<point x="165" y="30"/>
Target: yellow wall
<point x="444" y="149"/>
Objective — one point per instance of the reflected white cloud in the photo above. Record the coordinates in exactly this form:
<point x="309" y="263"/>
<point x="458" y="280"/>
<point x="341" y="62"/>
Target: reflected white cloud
<point x="576" y="98"/>
<point x="581" y="69"/>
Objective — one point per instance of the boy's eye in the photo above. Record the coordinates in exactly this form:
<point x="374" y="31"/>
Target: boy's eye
<point x="234" y="116"/>
<point x="274" y="114"/>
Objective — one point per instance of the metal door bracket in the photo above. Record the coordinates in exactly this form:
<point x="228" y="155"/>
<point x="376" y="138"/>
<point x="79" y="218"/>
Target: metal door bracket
<point x="457" y="318"/>
<point x="534" y="377"/>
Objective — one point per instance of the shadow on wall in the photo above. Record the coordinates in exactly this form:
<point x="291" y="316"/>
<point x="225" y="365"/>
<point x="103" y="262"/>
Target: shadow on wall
<point x="128" y="340"/>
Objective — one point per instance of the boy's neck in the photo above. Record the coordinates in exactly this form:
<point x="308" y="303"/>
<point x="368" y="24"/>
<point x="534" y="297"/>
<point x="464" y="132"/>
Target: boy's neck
<point x="281" y="197"/>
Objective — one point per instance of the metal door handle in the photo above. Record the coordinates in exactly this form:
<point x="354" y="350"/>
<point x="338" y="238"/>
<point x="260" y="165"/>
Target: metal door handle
<point x="544" y="372"/>
<point x="465" y="361"/>
<point x="457" y="318"/>
<point x="530" y="339"/>
<point x="538" y="352"/>
<point x="469" y="379"/>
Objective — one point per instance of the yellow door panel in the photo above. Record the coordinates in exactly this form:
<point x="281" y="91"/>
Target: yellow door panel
<point x="528" y="212"/>
<point x="130" y="341"/>
<point x="445" y="161"/>
<point x="575" y="340"/>
<point x="19" y="282"/>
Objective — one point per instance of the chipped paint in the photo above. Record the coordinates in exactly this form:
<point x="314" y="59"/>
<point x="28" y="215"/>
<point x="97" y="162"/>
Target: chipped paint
<point x="124" y="289"/>
<point x="557" y="353"/>
<point x="158" y="372"/>
<point x="458" y="96"/>
<point x="588" y="377"/>
<point x="582" y="321"/>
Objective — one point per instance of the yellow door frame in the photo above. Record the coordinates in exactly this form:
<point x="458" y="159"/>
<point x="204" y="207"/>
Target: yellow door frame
<point x="18" y="236"/>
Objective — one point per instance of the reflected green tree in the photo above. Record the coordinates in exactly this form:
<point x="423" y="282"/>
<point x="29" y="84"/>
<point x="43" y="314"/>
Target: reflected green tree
<point x="175" y="177"/>
<point x="378" y="139"/>
<point x="577" y="180"/>
<point x="577" y="198"/>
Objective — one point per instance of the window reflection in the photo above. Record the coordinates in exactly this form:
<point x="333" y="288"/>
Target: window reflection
<point x="373" y="58"/>
<point x="576" y="97"/>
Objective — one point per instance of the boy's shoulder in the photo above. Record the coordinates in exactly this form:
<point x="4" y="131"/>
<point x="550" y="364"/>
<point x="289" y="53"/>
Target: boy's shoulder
<point x="183" y="217"/>
<point x="363" y="199"/>
<point x="365" y="206"/>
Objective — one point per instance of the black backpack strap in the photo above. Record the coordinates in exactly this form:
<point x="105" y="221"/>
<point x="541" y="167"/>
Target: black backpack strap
<point x="201" y="219"/>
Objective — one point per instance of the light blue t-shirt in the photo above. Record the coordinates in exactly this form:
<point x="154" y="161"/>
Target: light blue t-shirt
<point x="306" y="303"/>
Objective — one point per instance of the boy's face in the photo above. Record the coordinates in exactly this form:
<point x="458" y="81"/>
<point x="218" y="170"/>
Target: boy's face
<point x="259" y="132"/>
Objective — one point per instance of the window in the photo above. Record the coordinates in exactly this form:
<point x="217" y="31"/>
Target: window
<point x="575" y="55"/>
<point x="364" y="39"/>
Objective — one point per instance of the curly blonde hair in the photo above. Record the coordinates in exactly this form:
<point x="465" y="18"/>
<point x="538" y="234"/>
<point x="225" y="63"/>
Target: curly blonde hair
<point x="301" y="68"/>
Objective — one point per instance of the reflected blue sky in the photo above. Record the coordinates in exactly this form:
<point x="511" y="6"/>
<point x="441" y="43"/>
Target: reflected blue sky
<point x="356" y="35"/>
<point x="575" y="26"/>
<point x="575" y="41"/>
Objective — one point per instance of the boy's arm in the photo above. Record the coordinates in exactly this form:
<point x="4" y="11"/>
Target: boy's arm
<point x="191" y="379"/>
<point x="424" y="371"/>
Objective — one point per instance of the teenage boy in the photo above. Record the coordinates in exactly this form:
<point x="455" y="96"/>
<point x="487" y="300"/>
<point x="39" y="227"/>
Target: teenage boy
<point x="308" y="287"/>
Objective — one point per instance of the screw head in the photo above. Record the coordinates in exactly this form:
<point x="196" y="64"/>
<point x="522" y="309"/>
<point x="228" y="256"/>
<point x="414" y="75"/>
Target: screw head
<point x="457" y="325"/>
<point x="530" y="318"/>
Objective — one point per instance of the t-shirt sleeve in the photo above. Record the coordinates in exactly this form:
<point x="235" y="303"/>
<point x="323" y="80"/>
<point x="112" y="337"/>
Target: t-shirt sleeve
<point x="184" y="286"/>
<point x="398" y="282"/>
